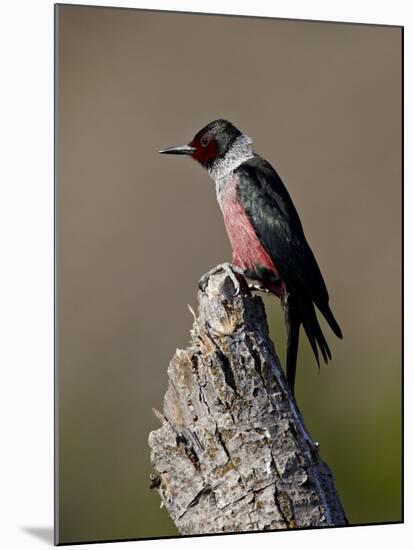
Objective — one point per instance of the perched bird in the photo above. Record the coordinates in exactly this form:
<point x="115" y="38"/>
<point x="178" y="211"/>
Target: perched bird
<point x="265" y="232"/>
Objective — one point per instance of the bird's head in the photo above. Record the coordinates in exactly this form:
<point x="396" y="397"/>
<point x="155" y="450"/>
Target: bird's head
<point x="210" y="145"/>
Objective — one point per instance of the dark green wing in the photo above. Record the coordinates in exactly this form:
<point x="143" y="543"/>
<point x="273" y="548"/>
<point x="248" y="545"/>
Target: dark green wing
<point x="277" y="224"/>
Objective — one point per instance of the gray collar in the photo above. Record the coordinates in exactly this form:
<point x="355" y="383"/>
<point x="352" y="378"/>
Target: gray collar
<point x="239" y="152"/>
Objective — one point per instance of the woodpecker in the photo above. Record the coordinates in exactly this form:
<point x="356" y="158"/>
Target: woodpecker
<point x="265" y="232"/>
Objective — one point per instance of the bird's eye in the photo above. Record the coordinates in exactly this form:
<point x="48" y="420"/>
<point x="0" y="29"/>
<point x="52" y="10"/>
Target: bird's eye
<point x="204" y="141"/>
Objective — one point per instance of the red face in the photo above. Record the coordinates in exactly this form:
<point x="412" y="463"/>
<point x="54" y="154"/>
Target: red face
<point x="205" y="149"/>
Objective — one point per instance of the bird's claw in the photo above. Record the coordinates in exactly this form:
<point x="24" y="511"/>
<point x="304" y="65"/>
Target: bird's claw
<point x="259" y="288"/>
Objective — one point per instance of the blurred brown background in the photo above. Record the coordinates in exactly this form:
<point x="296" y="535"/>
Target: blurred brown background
<point x="135" y="231"/>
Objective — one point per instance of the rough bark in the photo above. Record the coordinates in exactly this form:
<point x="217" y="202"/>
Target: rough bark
<point x="233" y="453"/>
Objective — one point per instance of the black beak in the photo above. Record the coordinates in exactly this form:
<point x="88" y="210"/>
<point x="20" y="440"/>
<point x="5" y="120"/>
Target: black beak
<point x="178" y="150"/>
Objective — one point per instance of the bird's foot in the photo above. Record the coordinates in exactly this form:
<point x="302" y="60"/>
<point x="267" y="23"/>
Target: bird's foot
<point x="229" y="269"/>
<point x="258" y="288"/>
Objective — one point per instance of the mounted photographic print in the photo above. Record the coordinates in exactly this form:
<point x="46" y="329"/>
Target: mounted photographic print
<point x="228" y="274"/>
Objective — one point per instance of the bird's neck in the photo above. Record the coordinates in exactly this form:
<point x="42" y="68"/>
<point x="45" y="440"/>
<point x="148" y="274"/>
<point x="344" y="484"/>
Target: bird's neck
<point x="240" y="151"/>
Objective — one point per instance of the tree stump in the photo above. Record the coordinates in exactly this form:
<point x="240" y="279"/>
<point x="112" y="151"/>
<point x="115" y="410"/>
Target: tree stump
<point x="233" y="453"/>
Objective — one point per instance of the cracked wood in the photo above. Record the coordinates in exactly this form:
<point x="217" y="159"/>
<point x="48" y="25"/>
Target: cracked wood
<point x="233" y="453"/>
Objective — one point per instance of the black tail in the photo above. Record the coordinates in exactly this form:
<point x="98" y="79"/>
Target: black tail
<point x="327" y="313"/>
<point x="293" y="326"/>
<point x="314" y="333"/>
<point x="303" y="312"/>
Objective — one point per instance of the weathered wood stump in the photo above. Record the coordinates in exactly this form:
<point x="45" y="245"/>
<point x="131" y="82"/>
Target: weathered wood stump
<point x="233" y="453"/>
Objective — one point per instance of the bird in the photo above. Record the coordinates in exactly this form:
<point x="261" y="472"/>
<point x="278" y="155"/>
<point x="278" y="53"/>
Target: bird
<point x="268" y="242"/>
